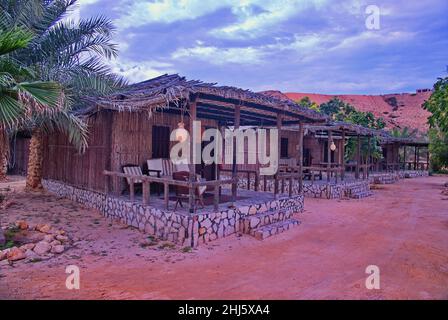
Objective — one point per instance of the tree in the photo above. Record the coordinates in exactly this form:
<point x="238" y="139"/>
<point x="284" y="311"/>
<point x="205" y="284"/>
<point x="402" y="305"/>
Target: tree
<point x="19" y="97"/>
<point x="71" y="53"/>
<point x="307" y="103"/>
<point x="438" y="148"/>
<point x="406" y="132"/>
<point x="332" y="108"/>
<point x="437" y="104"/>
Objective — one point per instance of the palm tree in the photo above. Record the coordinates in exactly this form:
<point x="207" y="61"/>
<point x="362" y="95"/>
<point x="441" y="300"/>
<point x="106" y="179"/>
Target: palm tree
<point x="72" y="54"/>
<point x="19" y="97"/>
<point x="406" y="132"/>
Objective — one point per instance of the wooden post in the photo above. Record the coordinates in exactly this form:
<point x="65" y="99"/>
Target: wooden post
<point x="236" y="126"/>
<point x="301" y="129"/>
<point x="218" y="161"/>
<point x="358" y="156"/>
<point x="415" y="157"/>
<point x="330" y="138"/>
<point x="145" y="191"/>
<point x="343" y="156"/>
<point x="257" y="180"/>
<point x="404" y="157"/>
<point x="192" y="176"/>
<point x="106" y="184"/>
<point x="418" y="158"/>
<point x="166" y="194"/>
<point x="279" y="129"/>
<point x="216" y="197"/>
<point x="368" y="157"/>
<point x="427" y="158"/>
<point x="131" y="189"/>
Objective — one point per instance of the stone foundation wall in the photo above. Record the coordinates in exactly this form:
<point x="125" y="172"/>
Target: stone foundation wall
<point x="413" y="174"/>
<point x="319" y="189"/>
<point x="384" y="178"/>
<point x="188" y="230"/>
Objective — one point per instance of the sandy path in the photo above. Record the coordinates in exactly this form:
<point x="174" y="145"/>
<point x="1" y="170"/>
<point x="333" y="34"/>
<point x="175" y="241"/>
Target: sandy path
<point x="402" y="229"/>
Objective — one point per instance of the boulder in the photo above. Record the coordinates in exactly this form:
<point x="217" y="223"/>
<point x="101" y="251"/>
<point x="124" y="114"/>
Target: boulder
<point x="55" y="243"/>
<point x="31" y="255"/>
<point x="28" y="246"/>
<point x="61" y="238"/>
<point x="15" y="254"/>
<point x="21" y="224"/>
<point x="2" y="255"/>
<point x="42" y="247"/>
<point x="57" y="249"/>
<point x="48" y="238"/>
<point x="44" y="228"/>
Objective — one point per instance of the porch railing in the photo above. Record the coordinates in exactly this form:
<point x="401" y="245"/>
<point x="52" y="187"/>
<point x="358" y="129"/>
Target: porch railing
<point x="147" y="180"/>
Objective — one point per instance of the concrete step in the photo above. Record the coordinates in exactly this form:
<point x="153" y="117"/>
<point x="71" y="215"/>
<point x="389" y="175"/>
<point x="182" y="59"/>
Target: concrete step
<point x="254" y="221"/>
<point x="269" y="230"/>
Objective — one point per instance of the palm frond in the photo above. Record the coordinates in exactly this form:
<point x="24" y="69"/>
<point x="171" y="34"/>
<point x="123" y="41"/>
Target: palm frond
<point x="14" y="39"/>
<point x="11" y="111"/>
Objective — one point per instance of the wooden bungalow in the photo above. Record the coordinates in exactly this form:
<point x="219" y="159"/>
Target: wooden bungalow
<point x="133" y="126"/>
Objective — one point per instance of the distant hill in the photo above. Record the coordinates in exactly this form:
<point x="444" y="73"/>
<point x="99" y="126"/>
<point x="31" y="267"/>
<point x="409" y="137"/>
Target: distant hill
<point x="398" y="110"/>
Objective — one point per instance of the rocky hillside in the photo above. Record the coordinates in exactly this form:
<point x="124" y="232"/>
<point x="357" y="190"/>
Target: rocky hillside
<point x="398" y="110"/>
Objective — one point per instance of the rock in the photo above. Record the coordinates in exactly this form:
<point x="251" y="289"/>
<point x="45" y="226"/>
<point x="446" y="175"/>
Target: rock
<point x="15" y="254"/>
<point x="55" y="243"/>
<point x="22" y="224"/>
<point x="2" y="255"/>
<point x="44" y="228"/>
<point x="28" y="246"/>
<point x="61" y="238"/>
<point x="57" y="249"/>
<point x="42" y="247"/>
<point x="31" y="255"/>
<point x="48" y="237"/>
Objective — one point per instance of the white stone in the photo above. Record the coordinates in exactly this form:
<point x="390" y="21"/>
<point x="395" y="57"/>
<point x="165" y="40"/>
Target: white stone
<point x="42" y="247"/>
<point x="57" y="249"/>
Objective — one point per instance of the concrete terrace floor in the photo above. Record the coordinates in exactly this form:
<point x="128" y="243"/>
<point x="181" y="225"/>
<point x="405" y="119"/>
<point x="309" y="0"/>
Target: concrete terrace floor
<point x="402" y="228"/>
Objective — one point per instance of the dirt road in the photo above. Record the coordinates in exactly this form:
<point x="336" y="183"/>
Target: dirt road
<point x="402" y="229"/>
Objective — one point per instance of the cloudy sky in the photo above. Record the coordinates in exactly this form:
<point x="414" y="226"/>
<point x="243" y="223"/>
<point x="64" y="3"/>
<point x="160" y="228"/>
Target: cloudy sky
<point x="320" y="46"/>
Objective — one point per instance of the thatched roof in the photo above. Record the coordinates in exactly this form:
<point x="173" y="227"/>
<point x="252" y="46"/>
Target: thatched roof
<point x="339" y="126"/>
<point x="352" y="130"/>
<point x="172" y="92"/>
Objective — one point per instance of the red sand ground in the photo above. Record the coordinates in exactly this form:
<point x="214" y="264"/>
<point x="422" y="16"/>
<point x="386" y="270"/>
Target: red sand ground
<point x="403" y="229"/>
<point x="408" y="114"/>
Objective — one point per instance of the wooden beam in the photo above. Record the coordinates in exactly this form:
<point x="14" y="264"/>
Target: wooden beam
<point x="301" y="131"/>
<point x="192" y="175"/>
<point x="343" y="156"/>
<point x="330" y="137"/>
<point x="234" y="166"/>
<point x="404" y="157"/>
<point x="358" y="156"/>
<point x="279" y="137"/>
<point x="252" y="105"/>
<point x="368" y="160"/>
<point x="418" y="158"/>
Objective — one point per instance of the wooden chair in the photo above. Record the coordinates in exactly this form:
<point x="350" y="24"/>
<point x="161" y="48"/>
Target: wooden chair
<point x="160" y="168"/>
<point x="183" y="193"/>
<point x="133" y="170"/>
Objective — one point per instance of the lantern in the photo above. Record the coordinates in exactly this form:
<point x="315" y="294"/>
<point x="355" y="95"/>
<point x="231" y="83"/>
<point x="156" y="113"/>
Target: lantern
<point x="181" y="133"/>
<point x="332" y="146"/>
